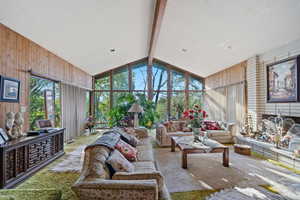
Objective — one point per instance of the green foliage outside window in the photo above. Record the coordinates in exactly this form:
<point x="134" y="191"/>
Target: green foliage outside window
<point x="159" y="93"/>
<point x="37" y="101"/>
<point x="120" y="111"/>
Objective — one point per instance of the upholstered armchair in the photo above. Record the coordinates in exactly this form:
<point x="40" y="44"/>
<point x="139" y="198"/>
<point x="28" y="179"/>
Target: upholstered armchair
<point x="173" y="128"/>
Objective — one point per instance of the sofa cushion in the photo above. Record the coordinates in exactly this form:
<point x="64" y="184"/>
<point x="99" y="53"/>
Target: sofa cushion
<point x="119" y="163"/>
<point x="127" y="150"/>
<point x="144" y="166"/>
<point x="145" y="153"/>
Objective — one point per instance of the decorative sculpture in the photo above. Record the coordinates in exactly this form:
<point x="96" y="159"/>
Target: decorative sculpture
<point x="19" y="121"/>
<point x="14" y="125"/>
<point x="9" y="124"/>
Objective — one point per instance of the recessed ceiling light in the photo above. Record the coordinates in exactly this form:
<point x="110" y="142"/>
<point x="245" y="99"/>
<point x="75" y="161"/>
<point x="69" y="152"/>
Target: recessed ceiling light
<point x="184" y="50"/>
<point x="112" y="50"/>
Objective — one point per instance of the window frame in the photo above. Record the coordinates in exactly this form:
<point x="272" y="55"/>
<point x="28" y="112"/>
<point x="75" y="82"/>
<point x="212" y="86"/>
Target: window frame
<point x="170" y="69"/>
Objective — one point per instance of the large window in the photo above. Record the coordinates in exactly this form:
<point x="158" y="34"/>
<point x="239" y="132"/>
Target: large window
<point x="171" y="90"/>
<point x="139" y="77"/>
<point x="120" y="79"/>
<point x="37" y="109"/>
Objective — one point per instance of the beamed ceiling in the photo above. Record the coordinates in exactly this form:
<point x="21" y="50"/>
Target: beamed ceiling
<point x="201" y="36"/>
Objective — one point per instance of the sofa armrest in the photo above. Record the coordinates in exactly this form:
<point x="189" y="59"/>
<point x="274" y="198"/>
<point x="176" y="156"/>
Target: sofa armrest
<point x="141" y="176"/>
<point x="99" y="189"/>
<point x="231" y="128"/>
<point x="161" y="132"/>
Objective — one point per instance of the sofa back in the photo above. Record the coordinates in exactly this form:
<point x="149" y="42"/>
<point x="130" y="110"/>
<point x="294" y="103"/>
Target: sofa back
<point x="173" y="126"/>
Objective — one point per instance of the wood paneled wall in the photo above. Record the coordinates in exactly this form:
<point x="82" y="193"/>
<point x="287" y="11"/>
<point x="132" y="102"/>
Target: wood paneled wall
<point x="18" y="55"/>
<point x="229" y="76"/>
<point x="225" y="94"/>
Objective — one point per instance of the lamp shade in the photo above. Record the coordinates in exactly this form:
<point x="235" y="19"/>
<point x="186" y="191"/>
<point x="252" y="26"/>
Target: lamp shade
<point x="136" y="108"/>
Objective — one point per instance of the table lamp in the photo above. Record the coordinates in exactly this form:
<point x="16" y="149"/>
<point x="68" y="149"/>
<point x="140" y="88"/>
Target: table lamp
<point x="136" y="108"/>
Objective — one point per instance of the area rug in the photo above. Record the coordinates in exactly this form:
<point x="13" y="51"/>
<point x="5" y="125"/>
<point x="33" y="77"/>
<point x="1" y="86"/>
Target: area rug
<point x="206" y="172"/>
<point x="257" y="193"/>
<point x="72" y="162"/>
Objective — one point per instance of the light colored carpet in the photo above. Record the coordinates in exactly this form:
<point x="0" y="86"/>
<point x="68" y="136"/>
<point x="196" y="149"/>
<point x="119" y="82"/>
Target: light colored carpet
<point x="72" y="162"/>
<point x="205" y="171"/>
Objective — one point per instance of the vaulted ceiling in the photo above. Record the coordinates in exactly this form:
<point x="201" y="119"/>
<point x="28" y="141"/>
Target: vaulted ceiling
<point x="201" y="36"/>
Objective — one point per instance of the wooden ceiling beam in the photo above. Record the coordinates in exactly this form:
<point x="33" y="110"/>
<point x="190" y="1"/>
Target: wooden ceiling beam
<point x="157" y="21"/>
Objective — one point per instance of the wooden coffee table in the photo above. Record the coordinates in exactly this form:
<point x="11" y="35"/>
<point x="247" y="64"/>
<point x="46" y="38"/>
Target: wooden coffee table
<point x="187" y="146"/>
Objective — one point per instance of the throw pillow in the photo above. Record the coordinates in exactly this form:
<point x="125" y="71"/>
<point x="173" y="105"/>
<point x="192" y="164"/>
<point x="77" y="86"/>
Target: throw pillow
<point x="211" y="125"/>
<point x="128" y="151"/>
<point x="130" y="139"/>
<point x="119" y="163"/>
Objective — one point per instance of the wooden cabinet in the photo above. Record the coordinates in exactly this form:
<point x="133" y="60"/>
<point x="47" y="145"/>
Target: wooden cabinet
<point x="22" y="157"/>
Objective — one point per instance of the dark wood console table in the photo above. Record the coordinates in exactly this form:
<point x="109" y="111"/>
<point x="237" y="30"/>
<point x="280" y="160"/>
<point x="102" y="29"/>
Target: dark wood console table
<point x="23" y="157"/>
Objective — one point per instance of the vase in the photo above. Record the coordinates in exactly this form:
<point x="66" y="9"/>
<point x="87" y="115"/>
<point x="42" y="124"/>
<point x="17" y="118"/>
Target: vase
<point x="196" y="133"/>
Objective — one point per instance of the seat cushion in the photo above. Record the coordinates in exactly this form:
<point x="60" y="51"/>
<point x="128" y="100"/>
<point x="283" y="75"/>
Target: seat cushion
<point x="145" y="153"/>
<point x="144" y="166"/>
<point x="217" y="133"/>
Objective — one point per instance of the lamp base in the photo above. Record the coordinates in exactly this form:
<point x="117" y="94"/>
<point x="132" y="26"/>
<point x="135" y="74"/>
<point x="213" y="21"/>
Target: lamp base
<point x="136" y="120"/>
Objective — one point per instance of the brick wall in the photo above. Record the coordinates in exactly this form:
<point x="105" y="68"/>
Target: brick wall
<point x="257" y="83"/>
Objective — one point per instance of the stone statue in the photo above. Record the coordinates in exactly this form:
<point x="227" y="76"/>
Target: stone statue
<point x="18" y="124"/>
<point x="9" y="124"/>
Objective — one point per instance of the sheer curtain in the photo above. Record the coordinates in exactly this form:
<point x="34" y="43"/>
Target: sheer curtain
<point x="73" y="110"/>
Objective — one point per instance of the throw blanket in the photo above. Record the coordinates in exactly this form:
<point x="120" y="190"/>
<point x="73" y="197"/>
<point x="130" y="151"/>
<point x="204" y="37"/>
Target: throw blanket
<point x="109" y="139"/>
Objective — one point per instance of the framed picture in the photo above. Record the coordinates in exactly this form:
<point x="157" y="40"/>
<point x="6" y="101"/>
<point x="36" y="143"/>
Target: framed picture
<point x="4" y="135"/>
<point x="282" y="81"/>
<point x="9" y="89"/>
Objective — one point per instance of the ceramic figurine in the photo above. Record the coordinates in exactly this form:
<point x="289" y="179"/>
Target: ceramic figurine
<point x="9" y="124"/>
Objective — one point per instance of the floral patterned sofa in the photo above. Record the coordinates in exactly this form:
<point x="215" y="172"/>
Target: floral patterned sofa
<point x="171" y="128"/>
<point x="97" y="183"/>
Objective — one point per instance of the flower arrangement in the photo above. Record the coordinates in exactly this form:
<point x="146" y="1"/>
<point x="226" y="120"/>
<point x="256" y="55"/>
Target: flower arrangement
<point x="90" y="123"/>
<point x="195" y="116"/>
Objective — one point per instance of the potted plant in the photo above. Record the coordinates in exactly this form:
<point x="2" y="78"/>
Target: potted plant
<point x="195" y="118"/>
